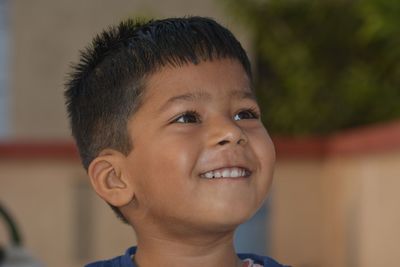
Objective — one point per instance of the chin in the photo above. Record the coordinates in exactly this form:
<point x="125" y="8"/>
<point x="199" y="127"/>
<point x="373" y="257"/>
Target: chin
<point x="231" y="217"/>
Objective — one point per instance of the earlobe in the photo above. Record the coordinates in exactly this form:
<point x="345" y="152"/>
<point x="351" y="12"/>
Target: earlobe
<point x="108" y="180"/>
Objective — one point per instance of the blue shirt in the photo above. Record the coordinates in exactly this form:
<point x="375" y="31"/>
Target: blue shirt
<point x="126" y="260"/>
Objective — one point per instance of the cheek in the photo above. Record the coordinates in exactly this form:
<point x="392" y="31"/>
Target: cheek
<point x="176" y="154"/>
<point x="263" y="147"/>
<point x="165" y="166"/>
<point x="265" y="152"/>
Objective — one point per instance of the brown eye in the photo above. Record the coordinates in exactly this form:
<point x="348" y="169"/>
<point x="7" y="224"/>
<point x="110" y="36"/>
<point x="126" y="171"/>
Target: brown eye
<point x="246" y="115"/>
<point x="188" y="117"/>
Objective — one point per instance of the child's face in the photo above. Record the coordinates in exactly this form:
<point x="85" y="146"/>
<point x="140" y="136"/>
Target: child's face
<point x="196" y="119"/>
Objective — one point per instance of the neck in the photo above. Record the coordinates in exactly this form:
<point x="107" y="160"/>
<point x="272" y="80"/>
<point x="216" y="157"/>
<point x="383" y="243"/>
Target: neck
<point x="209" y="251"/>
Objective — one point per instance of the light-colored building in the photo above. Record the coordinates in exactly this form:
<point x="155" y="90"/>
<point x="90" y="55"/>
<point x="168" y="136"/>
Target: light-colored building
<point x="334" y="200"/>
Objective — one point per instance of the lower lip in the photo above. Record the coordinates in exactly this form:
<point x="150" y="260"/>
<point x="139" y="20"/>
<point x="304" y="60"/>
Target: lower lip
<point x="228" y="180"/>
<point x="241" y="178"/>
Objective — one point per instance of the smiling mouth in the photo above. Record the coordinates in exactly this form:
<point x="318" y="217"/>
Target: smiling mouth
<point x="232" y="172"/>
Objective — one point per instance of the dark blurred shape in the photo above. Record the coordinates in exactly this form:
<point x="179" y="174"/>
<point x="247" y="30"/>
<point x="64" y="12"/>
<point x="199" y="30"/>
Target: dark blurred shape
<point x="15" y="237"/>
<point x="324" y="65"/>
<point x="14" y="255"/>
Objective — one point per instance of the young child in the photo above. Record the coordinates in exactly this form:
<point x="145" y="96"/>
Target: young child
<point x="169" y="131"/>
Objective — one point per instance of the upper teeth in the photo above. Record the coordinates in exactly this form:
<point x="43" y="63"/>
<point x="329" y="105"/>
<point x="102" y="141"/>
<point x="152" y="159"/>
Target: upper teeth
<point x="226" y="172"/>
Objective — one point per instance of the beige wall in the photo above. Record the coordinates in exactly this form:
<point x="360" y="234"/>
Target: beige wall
<point x="45" y="197"/>
<point x="296" y="207"/>
<point x="342" y="210"/>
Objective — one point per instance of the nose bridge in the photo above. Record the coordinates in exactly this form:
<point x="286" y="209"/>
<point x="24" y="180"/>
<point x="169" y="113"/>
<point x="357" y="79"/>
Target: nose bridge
<point x="224" y="130"/>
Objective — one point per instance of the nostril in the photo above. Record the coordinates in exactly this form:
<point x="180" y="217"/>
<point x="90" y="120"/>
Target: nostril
<point x="223" y="142"/>
<point x="242" y="141"/>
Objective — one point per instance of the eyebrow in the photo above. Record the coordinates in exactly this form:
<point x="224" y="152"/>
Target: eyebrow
<point x="189" y="97"/>
<point x="204" y="97"/>
<point x="243" y="94"/>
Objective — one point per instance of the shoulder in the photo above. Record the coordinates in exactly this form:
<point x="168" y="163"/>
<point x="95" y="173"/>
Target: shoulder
<point x="264" y="260"/>
<point x="120" y="261"/>
<point x="125" y="260"/>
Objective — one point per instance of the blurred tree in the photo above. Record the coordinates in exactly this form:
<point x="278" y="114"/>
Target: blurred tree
<point x="324" y="65"/>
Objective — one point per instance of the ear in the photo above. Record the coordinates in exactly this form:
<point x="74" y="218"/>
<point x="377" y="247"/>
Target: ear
<point x="109" y="179"/>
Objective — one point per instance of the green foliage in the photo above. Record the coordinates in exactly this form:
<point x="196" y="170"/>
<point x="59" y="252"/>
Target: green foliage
<point x="324" y="65"/>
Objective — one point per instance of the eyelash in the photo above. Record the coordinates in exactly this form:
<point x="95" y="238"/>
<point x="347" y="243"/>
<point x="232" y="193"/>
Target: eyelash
<point x="252" y="111"/>
<point x="187" y="113"/>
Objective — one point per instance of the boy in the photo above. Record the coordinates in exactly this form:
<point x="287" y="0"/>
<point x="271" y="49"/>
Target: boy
<point x="169" y="131"/>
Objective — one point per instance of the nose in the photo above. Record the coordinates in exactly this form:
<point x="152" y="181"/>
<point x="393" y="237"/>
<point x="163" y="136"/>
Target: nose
<point x="226" y="132"/>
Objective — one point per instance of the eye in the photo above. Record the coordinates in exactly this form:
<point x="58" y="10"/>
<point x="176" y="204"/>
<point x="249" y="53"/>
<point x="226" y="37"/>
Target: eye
<point x="246" y="114"/>
<point x="187" y="117"/>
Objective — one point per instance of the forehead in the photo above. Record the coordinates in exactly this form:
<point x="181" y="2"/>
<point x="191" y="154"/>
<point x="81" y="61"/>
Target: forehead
<point x="208" y="79"/>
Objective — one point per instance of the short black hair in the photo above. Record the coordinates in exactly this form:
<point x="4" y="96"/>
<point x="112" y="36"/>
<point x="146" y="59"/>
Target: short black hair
<point x="105" y="87"/>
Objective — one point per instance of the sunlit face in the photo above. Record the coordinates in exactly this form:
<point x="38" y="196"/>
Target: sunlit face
<point x="196" y="122"/>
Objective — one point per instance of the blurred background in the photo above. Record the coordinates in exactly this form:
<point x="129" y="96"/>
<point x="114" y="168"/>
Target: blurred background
<point x="327" y="74"/>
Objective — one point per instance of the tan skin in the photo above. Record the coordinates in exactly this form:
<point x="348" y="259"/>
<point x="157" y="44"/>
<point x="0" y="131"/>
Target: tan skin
<point x="194" y="119"/>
